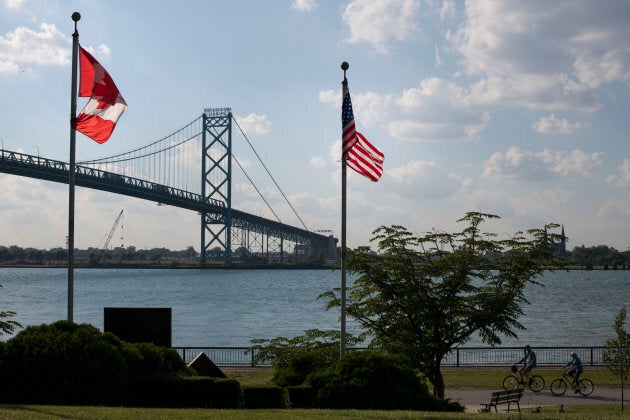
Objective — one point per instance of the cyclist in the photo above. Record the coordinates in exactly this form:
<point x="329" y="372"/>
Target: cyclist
<point x="529" y="363"/>
<point x="576" y="370"/>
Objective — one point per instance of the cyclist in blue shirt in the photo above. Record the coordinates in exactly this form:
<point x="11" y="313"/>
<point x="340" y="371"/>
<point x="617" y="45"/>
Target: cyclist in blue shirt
<point x="529" y="362"/>
<point x="576" y="369"/>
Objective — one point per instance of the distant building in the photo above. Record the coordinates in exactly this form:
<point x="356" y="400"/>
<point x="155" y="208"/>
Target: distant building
<point x="559" y="249"/>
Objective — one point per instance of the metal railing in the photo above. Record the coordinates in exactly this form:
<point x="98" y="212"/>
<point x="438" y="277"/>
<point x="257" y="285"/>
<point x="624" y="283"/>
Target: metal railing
<point x="458" y="357"/>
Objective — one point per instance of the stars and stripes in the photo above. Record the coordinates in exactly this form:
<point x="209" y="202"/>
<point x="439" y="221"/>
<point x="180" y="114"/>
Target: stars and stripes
<point x="365" y="159"/>
<point x="360" y="154"/>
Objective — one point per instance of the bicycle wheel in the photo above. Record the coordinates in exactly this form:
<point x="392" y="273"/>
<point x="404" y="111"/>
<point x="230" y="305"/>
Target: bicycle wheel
<point x="510" y="382"/>
<point x="586" y="387"/>
<point x="536" y="383"/>
<point x="558" y="387"/>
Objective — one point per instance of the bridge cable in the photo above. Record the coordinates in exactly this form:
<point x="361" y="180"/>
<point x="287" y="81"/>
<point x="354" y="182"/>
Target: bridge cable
<point x="105" y="159"/>
<point x="256" y="188"/>
<point x="271" y="176"/>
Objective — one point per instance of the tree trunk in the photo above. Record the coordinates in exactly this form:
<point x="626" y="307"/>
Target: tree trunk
<point x="436" y="378"/>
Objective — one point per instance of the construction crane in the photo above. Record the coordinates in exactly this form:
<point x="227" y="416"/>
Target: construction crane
<point x="111" y="232"/>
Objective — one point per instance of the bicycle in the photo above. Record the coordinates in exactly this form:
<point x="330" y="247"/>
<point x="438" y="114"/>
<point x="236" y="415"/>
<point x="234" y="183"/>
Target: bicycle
<point x="535" y="382"/>
<point x="559" y="386"/>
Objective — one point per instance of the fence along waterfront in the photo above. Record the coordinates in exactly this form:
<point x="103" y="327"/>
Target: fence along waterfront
<point x="458" y="357"/>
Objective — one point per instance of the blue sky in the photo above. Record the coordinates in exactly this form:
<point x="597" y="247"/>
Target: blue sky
<point x="513" y="108"/>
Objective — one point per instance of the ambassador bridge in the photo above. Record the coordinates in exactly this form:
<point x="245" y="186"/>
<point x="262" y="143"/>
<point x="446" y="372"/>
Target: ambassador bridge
<point x="192" y="169"/>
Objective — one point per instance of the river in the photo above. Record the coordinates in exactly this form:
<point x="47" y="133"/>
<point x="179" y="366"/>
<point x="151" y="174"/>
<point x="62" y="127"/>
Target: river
<point x="224" y="308"/>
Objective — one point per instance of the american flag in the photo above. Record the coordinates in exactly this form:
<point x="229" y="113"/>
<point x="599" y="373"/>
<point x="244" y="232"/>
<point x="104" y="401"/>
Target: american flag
<point x="347" y="121"/>
<point x="366" y="159"/>
<point x="360" y="154"/>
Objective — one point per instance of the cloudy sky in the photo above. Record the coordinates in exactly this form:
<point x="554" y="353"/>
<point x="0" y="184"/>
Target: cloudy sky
<point x="515" y="108"/>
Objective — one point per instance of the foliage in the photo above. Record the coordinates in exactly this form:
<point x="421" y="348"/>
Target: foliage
<point x="423" y="295"/>
<point x="370" y="380"/>
<point x="18" y="255"/>
<point x="300" y="366"/>
<point x="62" y="363"/>
<point x="616" y="355"/>
<point x="263" y="397"/>
<point x="182" y="391"/>
<point x="68" y="363"/>
<point x="292" y="359"/>
<point x="598" y="255"/>
<point x="300" y="396"/>
<point x="8" y="326"/>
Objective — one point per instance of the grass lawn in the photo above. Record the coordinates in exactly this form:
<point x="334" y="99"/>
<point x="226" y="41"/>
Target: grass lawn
<point x="493" y="378"/>
<point x="490" y="378"/>
<point x="595" y="412"/>
<point x="454" y="378"/>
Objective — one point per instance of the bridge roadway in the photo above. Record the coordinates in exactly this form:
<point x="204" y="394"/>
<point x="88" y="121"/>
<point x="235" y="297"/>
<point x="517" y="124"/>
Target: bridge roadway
<point x="20" y="164"/>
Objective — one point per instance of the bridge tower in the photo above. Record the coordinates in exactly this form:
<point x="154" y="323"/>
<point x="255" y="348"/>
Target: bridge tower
<point x="216" y="174"/>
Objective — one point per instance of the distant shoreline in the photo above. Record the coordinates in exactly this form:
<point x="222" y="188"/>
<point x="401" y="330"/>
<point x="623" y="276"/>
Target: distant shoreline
<point x="183" y="266"/>
<point x="175" y="267"/>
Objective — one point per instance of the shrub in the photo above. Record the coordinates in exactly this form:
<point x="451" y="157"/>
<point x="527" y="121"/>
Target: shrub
<point x="302" y="396"/>
<point x="155" y="360"/>
<point x="62" y="363"/>
<point x="369" y="380"/>
<point x="263" y="397"/>
<point x="178" y="392"/>
<point x="66" y="363"/>
<point x="299" y="366"/>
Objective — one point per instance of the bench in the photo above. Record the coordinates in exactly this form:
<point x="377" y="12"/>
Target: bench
<point x="504" y="397"/>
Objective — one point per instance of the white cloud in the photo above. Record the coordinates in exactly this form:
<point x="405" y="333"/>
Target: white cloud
<point x="330" y="96"/>
<point x="13" y="4"/>
<point x="576" y="162"/>
<point x="24" y="47"/>
<point x="424" y="179"/>
<point x="534" y="91"/>
<point x="438" y="59"/>
<point x="552" y="124"/>
<point x="104" y="50"/>
<point x="517" y="164"/>
<point x="379" y="22"/>
<point x="304" y="5"/>
<point x="541" y="56"/>
<point x="435" y="111"/>
<point x="447" y="9"/>
<point x="258" y="124"/>
<point x="616" y="208"/>
<point x="317" y="161"/>
<point x="623" y="178"/>
<point x="540" y="203"/>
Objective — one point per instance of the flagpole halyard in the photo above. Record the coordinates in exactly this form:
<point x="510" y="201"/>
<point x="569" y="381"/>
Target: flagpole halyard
<point x="76" y="16"/>
<point x="344" y="156"/>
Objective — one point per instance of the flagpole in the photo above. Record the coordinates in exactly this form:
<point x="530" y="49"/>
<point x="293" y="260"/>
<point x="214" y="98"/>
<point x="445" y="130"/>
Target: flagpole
<point x="76" y="16"/>
<point x="342" y="350"/>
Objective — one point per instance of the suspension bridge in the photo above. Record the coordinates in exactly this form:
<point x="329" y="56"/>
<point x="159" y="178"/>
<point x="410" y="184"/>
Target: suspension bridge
<point x="191" y="169"/>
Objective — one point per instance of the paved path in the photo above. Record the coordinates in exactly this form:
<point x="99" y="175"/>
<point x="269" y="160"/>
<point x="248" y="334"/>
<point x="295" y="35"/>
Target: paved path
<point x="473" y="398"/>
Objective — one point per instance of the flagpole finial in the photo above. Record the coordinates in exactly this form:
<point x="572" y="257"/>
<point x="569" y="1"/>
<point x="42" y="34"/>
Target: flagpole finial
<point x="344" y="67"/>
<point x="76" y="16"/>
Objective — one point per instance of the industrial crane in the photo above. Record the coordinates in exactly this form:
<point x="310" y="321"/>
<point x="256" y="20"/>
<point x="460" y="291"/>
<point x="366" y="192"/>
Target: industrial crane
<point x="111" y="232"/>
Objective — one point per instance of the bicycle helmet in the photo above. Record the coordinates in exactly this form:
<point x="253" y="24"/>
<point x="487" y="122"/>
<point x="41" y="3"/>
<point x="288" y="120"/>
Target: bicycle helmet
<point x="573" y="354"/>
<point x="527" y="347"/>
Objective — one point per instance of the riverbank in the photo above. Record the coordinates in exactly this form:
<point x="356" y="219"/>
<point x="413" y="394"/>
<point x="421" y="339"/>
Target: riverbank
<point x="178" y="265"/>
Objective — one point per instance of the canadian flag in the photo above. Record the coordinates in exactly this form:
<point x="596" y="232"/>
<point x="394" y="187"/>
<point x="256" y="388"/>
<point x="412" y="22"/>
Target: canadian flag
<point x="98" y="118"/>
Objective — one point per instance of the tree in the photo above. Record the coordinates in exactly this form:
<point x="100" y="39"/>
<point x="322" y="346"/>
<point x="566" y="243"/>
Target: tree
<point x="319" y="346"/>
<point x="616" y="355"/>
<point x="8" y="326"/>
<point x="424" y="295"/>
